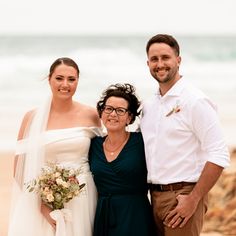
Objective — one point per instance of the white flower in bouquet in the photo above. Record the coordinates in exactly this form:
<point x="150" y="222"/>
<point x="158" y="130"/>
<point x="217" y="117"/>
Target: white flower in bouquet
<point x="56" y="185"/>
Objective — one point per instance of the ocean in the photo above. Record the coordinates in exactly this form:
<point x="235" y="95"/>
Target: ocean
<point x="208" y="62"/>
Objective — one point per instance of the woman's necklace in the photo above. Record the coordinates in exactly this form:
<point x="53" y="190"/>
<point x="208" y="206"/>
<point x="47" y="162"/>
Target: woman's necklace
<point x="112" y="152"/>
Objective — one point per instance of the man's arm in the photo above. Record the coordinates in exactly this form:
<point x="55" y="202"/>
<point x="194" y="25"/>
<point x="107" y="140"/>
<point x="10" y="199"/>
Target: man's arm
<point x="208" y="131"/>
<point x="187" y="204"/>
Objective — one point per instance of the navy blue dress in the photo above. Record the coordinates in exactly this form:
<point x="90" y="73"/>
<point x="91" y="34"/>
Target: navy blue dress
<point x="123" y="207"/>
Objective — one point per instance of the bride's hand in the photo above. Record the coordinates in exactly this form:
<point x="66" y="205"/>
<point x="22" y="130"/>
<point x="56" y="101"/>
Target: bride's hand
<point x="45" y="210"/>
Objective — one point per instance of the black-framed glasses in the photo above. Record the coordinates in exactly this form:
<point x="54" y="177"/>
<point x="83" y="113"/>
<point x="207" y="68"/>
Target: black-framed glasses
<point x="120" y="111"/>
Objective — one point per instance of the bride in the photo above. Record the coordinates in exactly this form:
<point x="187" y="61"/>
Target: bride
<point x="58" y="132"/>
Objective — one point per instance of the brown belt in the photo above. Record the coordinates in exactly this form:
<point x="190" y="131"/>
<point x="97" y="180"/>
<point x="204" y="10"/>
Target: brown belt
<point x="169" y="187"/>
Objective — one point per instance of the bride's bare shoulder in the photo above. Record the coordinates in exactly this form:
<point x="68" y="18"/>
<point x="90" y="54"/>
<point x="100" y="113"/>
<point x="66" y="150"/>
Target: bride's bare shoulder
<point x="81" y="107"/>
<point x="90" y="113"/>
<point x="27" y="119"/>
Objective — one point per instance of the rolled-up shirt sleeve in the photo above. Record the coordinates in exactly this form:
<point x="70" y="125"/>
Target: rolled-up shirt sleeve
<point x="207" y="128"/>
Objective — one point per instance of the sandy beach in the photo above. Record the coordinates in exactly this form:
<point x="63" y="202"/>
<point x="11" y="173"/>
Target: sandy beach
<point x="6" y="167"/>
<point x="6" y="172"/>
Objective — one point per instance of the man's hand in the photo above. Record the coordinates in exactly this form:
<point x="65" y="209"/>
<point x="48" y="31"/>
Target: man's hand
<point x="182" y="213"/>
<point x="187" y="204"/>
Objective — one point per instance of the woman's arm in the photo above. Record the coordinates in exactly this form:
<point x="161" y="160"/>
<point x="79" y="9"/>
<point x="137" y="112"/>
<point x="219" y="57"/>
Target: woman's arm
<point x="25" y="122"/>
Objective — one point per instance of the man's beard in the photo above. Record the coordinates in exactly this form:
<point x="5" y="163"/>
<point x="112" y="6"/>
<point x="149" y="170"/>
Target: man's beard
<point x="170" y="76"/>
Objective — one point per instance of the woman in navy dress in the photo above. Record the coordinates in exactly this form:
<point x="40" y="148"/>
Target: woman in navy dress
<point x="117" y="162"/>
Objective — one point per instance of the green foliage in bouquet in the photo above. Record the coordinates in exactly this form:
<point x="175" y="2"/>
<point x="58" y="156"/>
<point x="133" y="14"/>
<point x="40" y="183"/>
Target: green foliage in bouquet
<point x="56" y="185"/>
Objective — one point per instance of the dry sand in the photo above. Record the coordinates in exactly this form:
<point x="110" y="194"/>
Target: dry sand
<point x="6" y="172"/>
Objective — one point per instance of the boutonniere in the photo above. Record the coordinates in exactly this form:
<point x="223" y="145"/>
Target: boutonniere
<point x="175" y="109"/>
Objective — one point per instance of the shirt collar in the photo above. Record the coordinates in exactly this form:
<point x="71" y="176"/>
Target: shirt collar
<point x="175" y="90"/>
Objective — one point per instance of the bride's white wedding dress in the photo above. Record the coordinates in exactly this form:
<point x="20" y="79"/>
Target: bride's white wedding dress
<point x="67" y="147"/>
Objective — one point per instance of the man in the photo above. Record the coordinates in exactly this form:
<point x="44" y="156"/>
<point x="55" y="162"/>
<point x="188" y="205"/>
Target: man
<point x="184" y="145"/>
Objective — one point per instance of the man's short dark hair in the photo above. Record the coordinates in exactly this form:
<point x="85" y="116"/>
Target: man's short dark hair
<point x="164" y="38"/>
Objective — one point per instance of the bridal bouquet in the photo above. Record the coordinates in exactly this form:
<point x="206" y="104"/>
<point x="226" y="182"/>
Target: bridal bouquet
<point x="56" y="185"/>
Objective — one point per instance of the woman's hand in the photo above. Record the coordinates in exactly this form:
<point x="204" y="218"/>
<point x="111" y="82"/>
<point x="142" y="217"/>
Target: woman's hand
<point x="45" y="210"/>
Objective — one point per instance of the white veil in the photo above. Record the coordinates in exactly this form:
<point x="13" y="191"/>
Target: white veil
<point x="30" y="159"/>
<point x="31" y="147"/>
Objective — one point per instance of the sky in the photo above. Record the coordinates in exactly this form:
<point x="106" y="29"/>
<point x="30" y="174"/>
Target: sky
<point x="76" y="17"/>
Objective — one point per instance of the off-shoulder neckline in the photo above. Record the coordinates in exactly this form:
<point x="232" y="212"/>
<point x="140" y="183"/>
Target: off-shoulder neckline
<point x="71" y="128"/>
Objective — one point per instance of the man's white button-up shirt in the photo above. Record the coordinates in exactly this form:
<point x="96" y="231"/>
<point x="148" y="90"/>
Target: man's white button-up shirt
<point x="181" y="131"/>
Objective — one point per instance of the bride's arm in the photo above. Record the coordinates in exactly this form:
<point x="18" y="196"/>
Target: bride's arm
<point x="24" y="124"/>
<point x="45" y="210"/>
<point x="15" y="164"/>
